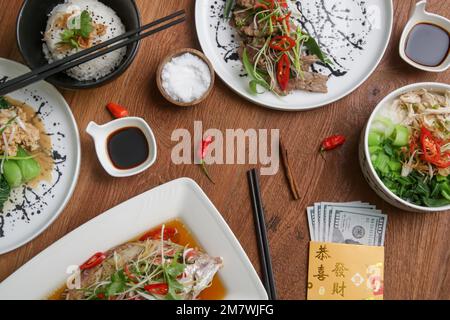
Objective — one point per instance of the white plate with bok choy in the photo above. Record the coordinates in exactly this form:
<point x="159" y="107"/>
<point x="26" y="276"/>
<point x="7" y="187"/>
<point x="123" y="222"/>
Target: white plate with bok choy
<point x="40" y="158"/>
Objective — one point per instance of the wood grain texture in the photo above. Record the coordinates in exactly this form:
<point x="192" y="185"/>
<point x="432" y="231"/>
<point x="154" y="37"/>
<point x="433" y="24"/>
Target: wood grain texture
<point x="417" y="245"/>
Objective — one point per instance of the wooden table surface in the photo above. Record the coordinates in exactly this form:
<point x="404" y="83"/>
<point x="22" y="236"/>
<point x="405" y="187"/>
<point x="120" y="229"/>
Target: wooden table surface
<point x="417" y="245"/>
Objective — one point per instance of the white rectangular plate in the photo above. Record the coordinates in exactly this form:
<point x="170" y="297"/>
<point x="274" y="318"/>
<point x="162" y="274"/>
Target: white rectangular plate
<point x="182" y="199"/>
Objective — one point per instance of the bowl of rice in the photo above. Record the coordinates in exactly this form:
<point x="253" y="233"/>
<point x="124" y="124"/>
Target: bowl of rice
<point x="50" y="30"/>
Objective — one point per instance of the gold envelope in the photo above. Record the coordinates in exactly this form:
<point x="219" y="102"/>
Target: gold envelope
<point x="345" y="272"/>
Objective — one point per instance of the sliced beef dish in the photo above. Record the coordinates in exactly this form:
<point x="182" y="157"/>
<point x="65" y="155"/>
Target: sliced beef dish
<point x="278" y="50"/>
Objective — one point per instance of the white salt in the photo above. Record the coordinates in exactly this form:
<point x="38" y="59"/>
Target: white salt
<point x="186" y="78"/>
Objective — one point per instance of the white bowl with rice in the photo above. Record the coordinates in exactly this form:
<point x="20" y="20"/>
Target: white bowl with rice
<point x="414" y="113"/>
<point x="105" y="25"/>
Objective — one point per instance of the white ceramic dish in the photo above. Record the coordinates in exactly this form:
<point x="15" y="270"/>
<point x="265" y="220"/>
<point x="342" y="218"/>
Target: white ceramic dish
<point x="354" y="33"/>
<point x="420" y="15"/>
<point x="100" y="135"/>
<point x="29" y="212"/>
<point x="181" y="199"/>
<point x="364" y="154"/>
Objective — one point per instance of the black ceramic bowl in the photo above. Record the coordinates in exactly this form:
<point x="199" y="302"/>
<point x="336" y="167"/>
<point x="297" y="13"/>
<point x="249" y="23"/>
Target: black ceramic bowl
<point x="32" y="22"/>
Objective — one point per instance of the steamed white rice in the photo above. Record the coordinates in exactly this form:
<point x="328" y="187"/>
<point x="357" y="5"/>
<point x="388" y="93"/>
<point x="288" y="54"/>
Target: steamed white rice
<point x="101" y="14"/>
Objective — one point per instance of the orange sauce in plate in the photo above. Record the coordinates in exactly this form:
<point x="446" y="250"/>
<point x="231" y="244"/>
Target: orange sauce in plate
<point x="184" y="237"/>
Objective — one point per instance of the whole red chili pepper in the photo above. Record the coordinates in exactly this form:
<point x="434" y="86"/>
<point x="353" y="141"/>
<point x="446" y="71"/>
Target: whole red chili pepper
<point x="202" y="155"/>
<point x="203" y="148"/>
<point x="332" y="143"/>
<point x="117" y="110"/>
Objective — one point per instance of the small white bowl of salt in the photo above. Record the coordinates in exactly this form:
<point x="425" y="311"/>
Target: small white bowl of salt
<point x="185" y="77"/>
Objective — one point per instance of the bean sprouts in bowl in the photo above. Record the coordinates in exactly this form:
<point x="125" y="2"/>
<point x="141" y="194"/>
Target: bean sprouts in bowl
<point x="403" y="148"/>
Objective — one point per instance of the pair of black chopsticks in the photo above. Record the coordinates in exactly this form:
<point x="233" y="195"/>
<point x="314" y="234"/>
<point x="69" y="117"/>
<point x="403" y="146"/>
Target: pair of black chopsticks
<point x="99" y="50"/>
<point x="261" y="234"/>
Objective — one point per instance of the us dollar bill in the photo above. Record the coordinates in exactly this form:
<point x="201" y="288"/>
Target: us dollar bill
<point x="327" y="208"/>
<point x="316" y="221"/>
<point x="358" y="226"/>
<point x="311" y="222"/>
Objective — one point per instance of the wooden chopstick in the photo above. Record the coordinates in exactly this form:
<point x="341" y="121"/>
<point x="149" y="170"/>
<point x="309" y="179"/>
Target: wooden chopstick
<point x="261" y="234"/>
<point x="86" y="55"/>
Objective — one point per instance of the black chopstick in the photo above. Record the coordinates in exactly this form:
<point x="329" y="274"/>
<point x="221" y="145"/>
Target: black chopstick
<point x="261" y="234"/>
<point x="83" y="56"/>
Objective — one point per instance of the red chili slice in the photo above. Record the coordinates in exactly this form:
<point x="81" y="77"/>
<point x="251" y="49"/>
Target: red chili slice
<point x="101" y="296"/>
<point x="271" y="4"/>
<point x="261" y="6"/>
<point x="443" y="162"/>
<point x="283" y="72"/>
<point x="430" y="147"/>
<point x="286" y="17"/>
<point x="282" y="43"/>
<point x="169" y="233"/>
<point x="130" y="275"/>
<point x="283" y="3"/>
<point x="93" y="261"/>
<point x="160" y="289"/>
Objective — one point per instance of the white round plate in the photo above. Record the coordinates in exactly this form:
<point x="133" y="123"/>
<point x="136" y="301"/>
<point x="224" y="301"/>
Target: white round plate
<point x="28" y="212"/>
<point x="353" y="33"/>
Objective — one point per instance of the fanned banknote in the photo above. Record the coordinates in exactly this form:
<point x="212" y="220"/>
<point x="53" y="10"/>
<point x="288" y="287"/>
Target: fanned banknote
<point x="350" y="223"/>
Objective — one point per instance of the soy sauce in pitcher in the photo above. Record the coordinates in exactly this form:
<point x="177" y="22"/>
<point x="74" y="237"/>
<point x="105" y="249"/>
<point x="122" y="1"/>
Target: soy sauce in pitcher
<point x="428" y="44"/>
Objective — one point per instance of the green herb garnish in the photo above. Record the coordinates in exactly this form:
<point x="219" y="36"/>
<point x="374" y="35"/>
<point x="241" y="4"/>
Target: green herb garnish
<point x="314" y="48"/>
<point x="118" y="284"/>
<point x="171" y="272"/>
<point x="256" y="78"/>
<point x="4" y="104"/>
<point x="70" y="36"/>
<point x="227" y="9"/>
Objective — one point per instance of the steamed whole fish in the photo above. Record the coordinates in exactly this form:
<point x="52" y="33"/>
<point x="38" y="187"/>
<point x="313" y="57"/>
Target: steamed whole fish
<point x="147" y="270"/>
